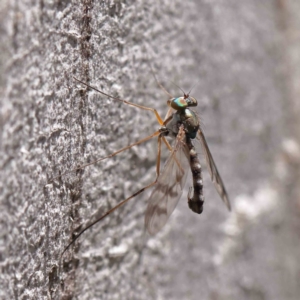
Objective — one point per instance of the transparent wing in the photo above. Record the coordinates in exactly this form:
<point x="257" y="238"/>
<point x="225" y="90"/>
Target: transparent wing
<point x="215" y="176"/>
<point x="168" y="188"/>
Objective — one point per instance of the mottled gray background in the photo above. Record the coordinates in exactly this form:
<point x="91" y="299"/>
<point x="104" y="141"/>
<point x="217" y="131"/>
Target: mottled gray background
<point x="243" y="58"/>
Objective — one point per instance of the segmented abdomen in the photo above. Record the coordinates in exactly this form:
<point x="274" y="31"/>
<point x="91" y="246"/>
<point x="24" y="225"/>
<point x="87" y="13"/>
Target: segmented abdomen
<point x="196" y="201"/>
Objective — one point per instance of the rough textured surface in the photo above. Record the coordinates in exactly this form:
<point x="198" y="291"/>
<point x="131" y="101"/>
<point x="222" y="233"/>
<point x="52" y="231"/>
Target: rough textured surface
<point x="243" y="58"/>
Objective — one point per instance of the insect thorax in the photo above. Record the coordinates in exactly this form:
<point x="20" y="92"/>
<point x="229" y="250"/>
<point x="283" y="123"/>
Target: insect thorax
<point x="189" y="120"/>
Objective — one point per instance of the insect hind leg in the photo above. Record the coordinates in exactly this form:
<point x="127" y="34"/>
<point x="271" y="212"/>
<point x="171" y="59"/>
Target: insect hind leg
<point x="124" y="201"/>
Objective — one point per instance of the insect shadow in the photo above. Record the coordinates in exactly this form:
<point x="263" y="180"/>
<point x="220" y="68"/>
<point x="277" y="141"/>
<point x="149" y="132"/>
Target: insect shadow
<point x="183" y="125"/>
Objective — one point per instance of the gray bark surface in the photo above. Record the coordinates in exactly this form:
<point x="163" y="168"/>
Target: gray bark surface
<point x="242" y="57"/>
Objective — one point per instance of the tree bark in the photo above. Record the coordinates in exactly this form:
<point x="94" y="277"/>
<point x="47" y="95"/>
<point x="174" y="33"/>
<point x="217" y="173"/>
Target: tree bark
<point x="242" y="58"/>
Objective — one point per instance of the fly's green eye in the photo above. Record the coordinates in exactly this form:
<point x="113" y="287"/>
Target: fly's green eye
<point x="183" y="102"/>
<point x="179" y="103"/>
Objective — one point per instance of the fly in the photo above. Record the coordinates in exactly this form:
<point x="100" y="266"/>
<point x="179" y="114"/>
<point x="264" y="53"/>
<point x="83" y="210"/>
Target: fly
<point x="183" y="124"/>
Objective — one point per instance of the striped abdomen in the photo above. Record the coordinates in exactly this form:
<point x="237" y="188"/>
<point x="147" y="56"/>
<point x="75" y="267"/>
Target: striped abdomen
<point x="196" y="201"/>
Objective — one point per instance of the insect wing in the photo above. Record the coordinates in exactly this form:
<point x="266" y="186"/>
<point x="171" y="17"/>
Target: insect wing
<point x="168" y="189"/>
<point x="215" y="176"/>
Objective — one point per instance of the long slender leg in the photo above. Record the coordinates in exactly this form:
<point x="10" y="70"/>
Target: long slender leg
<point x="158" y="117"/>
<point x="167" y="144"/>
<point x="124" y="201"/>
<point x="168" y="116"/>
<point x="156" y="133"/>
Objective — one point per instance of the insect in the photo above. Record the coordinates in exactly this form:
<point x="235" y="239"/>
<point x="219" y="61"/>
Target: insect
<point x="183" y="125"/>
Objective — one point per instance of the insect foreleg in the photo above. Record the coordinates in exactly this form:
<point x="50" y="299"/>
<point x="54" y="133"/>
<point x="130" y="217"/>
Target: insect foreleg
<point x="158" y="117"/>
<point x="156" y="133"/>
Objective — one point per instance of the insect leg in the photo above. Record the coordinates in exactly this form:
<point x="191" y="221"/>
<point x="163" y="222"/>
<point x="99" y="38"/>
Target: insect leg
<point x="168" y="116"/>
<point x="124" y="201"/>
<point x="109" y="156"/>
<point x="158" y="117"/>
